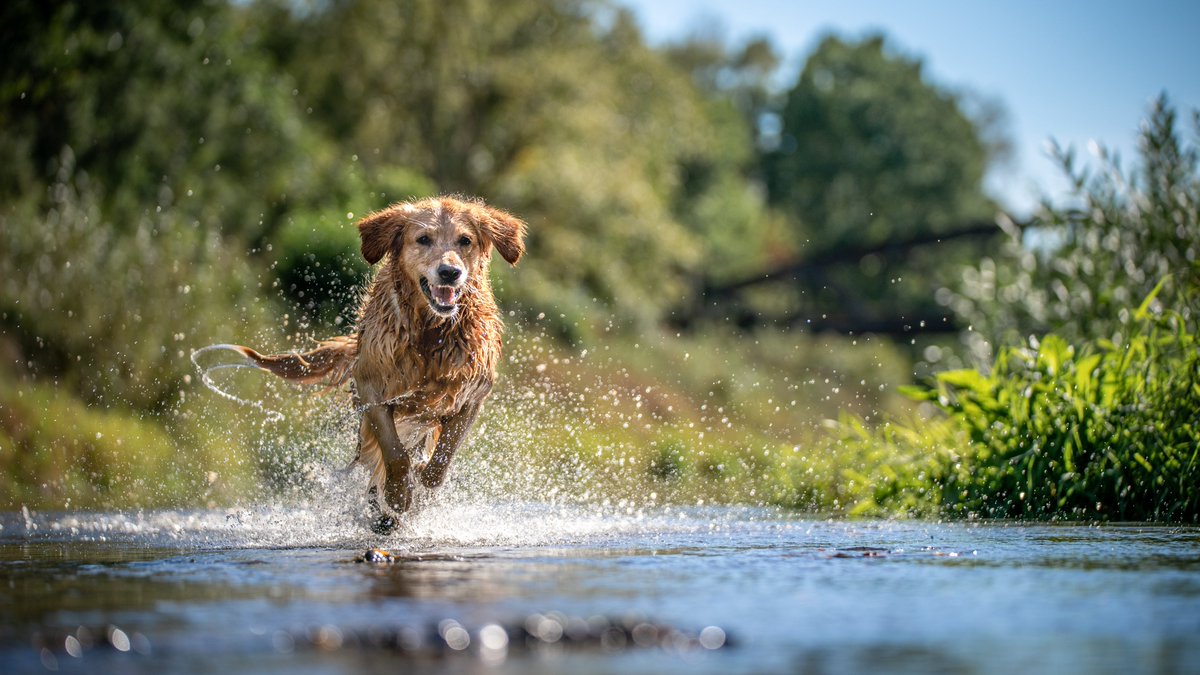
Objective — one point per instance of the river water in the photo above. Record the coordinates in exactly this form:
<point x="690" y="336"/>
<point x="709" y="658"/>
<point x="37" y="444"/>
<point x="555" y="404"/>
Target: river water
<point x="275" y="588"/>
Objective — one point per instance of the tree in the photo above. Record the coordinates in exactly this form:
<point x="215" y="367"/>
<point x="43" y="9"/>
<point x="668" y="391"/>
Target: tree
<point x="721" y="196"/>
<point x="166" y="106"/>
<point x="871" y="151"/>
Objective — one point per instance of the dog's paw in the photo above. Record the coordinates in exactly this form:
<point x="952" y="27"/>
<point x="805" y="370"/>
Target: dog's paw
<point x="384" y="524"/>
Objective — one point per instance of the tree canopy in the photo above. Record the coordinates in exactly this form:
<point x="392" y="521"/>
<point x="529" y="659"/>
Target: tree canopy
<point x="864" y="153"/>
<point x="870" y="149"/>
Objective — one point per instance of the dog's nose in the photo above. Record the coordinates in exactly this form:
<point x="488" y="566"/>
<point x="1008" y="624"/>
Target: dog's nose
<point x="448" y="273"/>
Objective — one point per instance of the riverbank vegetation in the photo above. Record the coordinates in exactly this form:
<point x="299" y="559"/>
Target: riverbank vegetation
<point x="734" y="292"/>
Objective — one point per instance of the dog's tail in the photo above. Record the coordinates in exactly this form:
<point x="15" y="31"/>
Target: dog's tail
<point x="329" y="364"/>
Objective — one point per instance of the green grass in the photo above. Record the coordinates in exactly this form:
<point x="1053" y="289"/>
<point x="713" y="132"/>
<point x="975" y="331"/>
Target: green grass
<point x="723" y="418"/>
<point x="57" y="452"/>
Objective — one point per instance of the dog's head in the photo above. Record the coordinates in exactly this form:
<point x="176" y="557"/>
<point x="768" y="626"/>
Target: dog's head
<point x="442" y="246"/>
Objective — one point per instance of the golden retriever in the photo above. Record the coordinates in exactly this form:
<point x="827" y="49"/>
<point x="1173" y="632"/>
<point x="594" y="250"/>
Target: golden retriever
<point x="424" y="352"/>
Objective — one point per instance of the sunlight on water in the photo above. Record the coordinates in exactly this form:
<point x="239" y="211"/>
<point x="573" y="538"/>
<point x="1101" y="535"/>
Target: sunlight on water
<point x="311" y="525"/>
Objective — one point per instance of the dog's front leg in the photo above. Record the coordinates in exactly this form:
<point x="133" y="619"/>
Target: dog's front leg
<point x="399" y="478"/>
<point x="398" y="487"/>
<point x="454" y="432"/>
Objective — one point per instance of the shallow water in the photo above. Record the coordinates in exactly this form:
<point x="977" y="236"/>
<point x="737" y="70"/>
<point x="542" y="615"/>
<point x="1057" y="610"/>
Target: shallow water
<point x="260" y="590"/>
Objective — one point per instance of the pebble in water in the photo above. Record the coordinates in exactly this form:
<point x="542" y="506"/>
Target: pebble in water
<point x="376" y="555"/>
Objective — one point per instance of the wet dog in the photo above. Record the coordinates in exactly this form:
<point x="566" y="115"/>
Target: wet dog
<point x="425" y="348"/>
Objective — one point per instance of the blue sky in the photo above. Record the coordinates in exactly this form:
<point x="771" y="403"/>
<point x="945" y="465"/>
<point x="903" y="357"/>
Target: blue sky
<point x="1074" y="71"/>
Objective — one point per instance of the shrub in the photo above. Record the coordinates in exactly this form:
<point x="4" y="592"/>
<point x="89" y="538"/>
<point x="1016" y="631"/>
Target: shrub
<point x="1103" y="430"/>
<point x="111" y="312"/>
<point x="1087" y="265"/>
<point x="57" y="452"/>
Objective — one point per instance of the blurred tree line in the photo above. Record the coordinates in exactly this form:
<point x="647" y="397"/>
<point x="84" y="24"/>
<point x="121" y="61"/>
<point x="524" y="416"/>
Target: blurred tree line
<point x="643" y="170"/>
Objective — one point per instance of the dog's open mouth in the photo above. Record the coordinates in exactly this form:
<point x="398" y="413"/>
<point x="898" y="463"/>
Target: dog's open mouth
<point x="442" y="299"/>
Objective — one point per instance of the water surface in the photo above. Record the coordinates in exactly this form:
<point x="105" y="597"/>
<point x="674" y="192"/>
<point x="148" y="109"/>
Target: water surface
<point x="263" y="589"/>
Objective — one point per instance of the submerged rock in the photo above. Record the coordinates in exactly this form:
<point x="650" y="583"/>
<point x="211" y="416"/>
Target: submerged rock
<point x="376" y="555"/>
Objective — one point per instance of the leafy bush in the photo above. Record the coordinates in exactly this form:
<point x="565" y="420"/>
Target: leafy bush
<point x="111" y="312"/>
<point x="58" y="452"/>
<point x="1101" y="430"/>
<point x="167" y="105"/>
<point x="1091" y="263"/>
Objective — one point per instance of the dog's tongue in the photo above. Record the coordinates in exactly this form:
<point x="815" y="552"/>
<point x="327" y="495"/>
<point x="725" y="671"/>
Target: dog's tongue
<point x="444" y="295"/>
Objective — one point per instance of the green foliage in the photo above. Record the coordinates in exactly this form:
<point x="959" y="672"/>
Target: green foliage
<point x="1104" y="431"/>
<point x="870" y="151"/>
<point x="1085" y="268"/>
<point x="663" y="420"/>
<point x="721" y="198"/>
<point x="1097" y="419"/>
<point x="319" y="266"/>
<point x="1098" y="430"/>
<point x="163" y="105"/>
<point x="58" y="452"/>
<point x="111" y="312"/>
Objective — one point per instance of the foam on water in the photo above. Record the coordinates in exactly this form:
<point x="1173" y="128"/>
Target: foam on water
<point x="313" y="526"/>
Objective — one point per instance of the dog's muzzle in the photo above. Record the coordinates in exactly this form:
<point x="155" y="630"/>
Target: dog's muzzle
<point x="443" y="298"/>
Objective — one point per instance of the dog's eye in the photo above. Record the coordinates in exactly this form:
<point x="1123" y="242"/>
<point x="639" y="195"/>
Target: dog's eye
<point x="464" y="241"/>
<point x="424" y="240"/>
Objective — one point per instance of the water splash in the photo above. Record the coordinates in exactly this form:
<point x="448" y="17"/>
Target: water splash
<point x="242" y="364"/>
<point x="539" y="469"/>
<point x="340" y="523"/>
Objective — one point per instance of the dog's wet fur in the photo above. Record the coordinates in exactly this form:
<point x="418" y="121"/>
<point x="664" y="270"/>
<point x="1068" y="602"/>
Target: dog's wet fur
<point x="423" y="355"/>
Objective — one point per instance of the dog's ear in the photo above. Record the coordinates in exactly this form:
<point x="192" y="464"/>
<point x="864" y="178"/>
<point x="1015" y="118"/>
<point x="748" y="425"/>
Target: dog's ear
<point x="379" y="231"/>
<point x="506" y="232"/>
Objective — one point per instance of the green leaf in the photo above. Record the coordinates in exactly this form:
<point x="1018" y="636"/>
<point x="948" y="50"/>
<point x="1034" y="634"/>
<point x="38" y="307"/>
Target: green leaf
<point x="1085" y="379"/>
<point x="966" y="378"/>
<point x="1143" y="310"/>
<point x="917" y="393"/>
<point x="1053" y="352"/>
